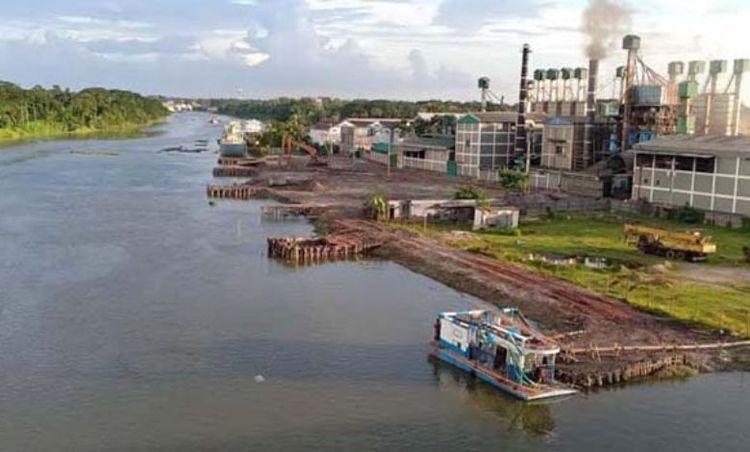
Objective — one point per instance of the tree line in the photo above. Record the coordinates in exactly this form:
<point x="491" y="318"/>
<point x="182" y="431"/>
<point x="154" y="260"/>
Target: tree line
<point x="61" y="110"/>
<point x="309" y="111"/>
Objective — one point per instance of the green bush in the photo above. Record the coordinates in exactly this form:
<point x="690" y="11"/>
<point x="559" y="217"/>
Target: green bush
<point x="470" y="192"/>
<point x="689" y="215"/>
<point x="513" y="180"/>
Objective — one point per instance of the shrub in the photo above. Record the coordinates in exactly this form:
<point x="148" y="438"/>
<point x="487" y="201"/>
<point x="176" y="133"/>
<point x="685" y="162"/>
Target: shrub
<point x="470" y="192"/>
<point x="513" y="180"/>
<point x="689" y="215"/>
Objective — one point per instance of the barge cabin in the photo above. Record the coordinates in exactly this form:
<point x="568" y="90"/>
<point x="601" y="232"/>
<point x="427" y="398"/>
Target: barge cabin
<point x="502" y="349"/>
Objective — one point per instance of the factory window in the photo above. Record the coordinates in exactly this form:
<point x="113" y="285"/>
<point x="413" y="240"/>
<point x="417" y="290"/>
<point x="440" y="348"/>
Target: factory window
<point x="645" y="160"/>
<point x="705" y="165"/>
<point x="683" y="163"/>
<point x="664" y="161"/>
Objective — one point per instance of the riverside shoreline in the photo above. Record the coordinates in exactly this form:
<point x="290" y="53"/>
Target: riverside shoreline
<point x="15" y="136"/>
<point x="599" y="328"/>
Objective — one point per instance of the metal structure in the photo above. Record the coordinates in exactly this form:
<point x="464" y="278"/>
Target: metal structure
<point x="501" y="348"/>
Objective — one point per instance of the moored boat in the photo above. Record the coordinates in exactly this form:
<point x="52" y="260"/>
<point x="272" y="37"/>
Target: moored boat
<point x="501" y="348"/>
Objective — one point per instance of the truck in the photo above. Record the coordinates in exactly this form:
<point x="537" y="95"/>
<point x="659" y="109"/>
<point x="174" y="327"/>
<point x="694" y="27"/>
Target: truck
<point x="691" y="246"/>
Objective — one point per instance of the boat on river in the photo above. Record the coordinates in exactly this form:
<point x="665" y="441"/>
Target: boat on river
<point x="501" y="348"/>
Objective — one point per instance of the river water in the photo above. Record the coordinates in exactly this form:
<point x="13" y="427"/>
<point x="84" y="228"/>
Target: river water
<point x="134" y="316"/>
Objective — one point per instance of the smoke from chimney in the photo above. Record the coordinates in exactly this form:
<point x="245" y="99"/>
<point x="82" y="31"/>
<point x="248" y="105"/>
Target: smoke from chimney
<point x="604" y="22"/>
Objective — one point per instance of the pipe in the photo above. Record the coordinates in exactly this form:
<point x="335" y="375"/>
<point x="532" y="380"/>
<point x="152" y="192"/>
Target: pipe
<point x="522" y="97"/>
<point x="590" y="113"/>
<point x="737" y="104"/>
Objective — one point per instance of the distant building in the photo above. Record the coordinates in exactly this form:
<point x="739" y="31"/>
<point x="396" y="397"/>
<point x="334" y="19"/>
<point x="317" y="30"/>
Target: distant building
<point x="429" y="153"/>
<point x="327" y="132"/>
<point x="710" y="173"/>
<point x="359" y="134"/>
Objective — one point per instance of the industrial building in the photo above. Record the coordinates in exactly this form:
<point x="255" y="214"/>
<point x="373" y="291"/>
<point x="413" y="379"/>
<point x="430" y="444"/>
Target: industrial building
<point x="572" y="139"/>
<point x="486" y="142"/>
<point x="710" y="173"/>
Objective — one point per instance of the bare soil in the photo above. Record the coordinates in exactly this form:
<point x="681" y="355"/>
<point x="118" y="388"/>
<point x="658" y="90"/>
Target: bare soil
<point x="576" y="317"/>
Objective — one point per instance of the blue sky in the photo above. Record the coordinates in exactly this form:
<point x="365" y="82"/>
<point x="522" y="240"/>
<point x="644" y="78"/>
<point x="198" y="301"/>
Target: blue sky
<point x="413" y="49"/>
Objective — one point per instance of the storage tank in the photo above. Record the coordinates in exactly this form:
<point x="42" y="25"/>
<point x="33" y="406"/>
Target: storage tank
<point x="631" y="42"/>
<point x="717" y="67"/>
<point x="675" y="69"/>
<point x="696" y="67"/>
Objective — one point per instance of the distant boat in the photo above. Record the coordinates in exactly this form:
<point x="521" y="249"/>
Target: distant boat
<point x="214" y="120"/>
<point x="233" y="143"/>
<point x="184" y="150"/>
<point x="502" y="349"/>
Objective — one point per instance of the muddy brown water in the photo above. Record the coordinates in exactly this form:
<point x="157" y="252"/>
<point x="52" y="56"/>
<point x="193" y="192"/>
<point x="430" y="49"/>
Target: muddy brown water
<point x="134" y="316"/>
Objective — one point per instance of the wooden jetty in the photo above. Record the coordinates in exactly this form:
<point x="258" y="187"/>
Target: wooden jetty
<point x="235" y="171"/>
<point x="308" y="250"/>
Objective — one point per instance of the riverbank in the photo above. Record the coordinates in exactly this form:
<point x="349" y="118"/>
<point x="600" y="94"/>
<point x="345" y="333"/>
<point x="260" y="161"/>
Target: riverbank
<point x="51" y="131"/>
<point x="595" y="325"/>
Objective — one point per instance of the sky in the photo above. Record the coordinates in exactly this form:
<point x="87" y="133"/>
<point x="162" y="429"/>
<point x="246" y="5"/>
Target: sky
<point x="395" y="49"/>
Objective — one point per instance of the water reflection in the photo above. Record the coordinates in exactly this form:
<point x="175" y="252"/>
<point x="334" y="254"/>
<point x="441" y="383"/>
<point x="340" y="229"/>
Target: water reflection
<point x="534" y="419"/>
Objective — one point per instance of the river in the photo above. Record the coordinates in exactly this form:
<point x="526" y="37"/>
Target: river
<point x="134" y="316"/>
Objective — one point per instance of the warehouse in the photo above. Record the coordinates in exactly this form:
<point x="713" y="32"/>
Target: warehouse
<point x="710" y="173"/>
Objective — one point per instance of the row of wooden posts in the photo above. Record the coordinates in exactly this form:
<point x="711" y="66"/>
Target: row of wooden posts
<point x="243" y="192"/>
<point x="310" y="250"/>
<point x="235" y="171"/>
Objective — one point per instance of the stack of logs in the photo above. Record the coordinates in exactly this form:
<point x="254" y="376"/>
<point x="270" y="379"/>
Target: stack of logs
<point x="306" y="250"/>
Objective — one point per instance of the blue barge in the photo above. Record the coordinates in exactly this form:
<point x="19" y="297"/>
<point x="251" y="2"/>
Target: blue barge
<point x="500" y="348"/>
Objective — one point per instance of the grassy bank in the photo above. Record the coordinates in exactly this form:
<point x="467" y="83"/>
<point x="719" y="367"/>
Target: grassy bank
<point x="41" y="129"/>
<point x="644" y="281"/>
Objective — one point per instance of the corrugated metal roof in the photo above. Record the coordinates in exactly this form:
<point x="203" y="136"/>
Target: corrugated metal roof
<point x="494" y="117"/>
<point x="707" y="144"/>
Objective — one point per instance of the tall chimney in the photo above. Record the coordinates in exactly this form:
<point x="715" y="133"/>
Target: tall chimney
<point x="522" y="97"/>
<point x="588" y="128"/>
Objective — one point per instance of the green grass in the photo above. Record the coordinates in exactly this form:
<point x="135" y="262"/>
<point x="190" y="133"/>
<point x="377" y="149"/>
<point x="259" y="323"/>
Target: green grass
<point x="44" y="129"/>
<point x="642" y="280"/>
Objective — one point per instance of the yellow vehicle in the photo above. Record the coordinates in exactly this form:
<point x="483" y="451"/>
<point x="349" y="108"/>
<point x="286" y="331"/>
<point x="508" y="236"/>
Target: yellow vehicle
<point x="690" y="245"/>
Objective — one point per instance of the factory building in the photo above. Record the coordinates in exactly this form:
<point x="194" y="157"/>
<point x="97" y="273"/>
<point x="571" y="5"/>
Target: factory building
<point x="486" y="142"/>
<point x="710" y="173"/>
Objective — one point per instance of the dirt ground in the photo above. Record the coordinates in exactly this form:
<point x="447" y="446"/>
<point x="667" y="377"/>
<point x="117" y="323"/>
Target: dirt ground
<point x="714" y="275"/>
<point x="577" y="318"/>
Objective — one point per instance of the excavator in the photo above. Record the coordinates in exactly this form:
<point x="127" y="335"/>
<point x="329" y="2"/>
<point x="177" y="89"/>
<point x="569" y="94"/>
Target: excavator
<point x="289" y="144"/>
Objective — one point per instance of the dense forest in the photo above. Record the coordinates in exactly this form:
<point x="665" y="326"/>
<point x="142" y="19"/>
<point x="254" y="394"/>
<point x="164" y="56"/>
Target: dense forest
<point x="309" y="111"/>
<point x="40" y="111"/>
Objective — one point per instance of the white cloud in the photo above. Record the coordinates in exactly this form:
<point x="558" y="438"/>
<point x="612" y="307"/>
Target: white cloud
<point x="368" y="48"/>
